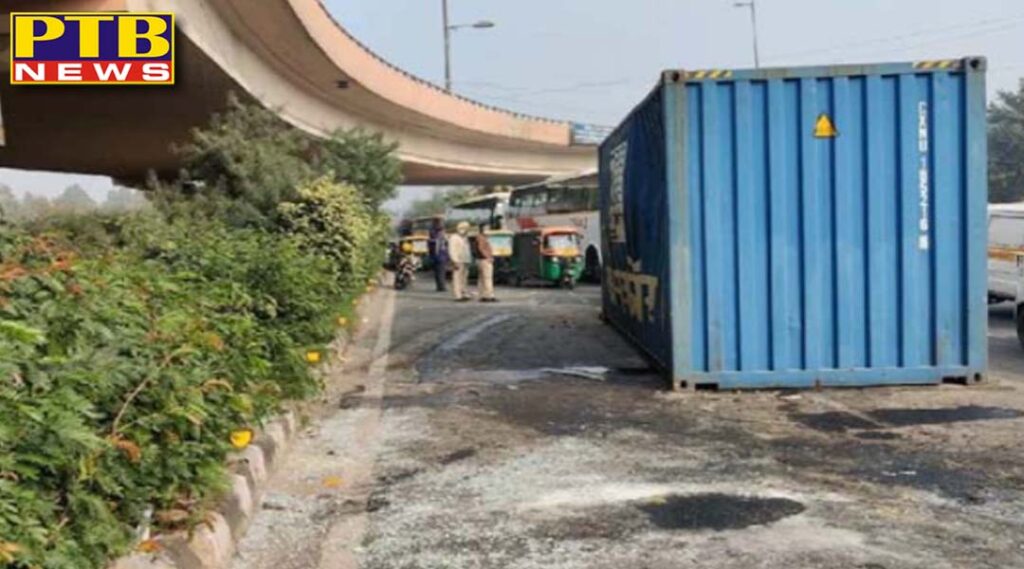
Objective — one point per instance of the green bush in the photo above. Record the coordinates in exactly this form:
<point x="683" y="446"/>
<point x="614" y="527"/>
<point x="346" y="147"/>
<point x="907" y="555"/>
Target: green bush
<point x="122" y="376"/>
<point x="361" y="159"/>
<point x="331" y="220"/>
<point x="132" y="346"/>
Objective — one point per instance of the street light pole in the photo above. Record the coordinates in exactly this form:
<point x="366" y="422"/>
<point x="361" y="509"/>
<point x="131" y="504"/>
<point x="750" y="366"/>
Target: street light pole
<point x="448" y="29"/>
<point x="752" y="4"/>
<point x="447" y="48"/>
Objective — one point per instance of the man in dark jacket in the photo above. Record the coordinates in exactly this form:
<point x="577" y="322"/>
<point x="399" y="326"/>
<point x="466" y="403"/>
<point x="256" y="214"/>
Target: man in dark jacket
<point x="439" y="254"/>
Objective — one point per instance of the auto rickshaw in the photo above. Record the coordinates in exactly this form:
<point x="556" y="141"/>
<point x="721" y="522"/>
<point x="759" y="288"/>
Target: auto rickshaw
<point x="501" y="247"/>
<point x="550" y="254"/>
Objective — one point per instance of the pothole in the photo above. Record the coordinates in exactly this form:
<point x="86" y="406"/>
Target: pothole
<point x="717" y="511"/>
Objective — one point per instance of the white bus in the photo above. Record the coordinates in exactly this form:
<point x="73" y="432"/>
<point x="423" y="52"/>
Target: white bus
<point x="489" y="210"/>
<point x="1006" y="246"/>
<point x="559" y="202"/>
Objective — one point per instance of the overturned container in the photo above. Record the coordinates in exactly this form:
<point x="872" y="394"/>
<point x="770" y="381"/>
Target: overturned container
<point x="802" y="226"/>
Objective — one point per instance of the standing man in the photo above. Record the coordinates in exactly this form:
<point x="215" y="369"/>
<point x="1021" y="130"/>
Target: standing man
<point x="439" y="254"/>
<point x="461" y="256"/>
<point x="485" y="267"/>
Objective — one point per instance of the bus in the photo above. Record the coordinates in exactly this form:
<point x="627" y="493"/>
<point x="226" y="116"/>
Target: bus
<point x="559" y="202"/>
<point x="1005" y="251"/>
<point x="487" y="210"/>
<point x="419" y="226"/>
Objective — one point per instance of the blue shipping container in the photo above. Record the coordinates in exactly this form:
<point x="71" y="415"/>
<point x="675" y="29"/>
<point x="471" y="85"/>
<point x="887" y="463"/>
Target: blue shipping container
<point x="802" y="226"/>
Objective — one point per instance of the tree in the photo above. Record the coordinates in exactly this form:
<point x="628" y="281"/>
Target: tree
<point x="364" y="160"/>
<point x="249" y="157"/>
<point x="437" y="203"/>
<point x="256" y="161"/>
<point x="34" y="207"/>
<point x="124" y="199"/>
<point x="9" y="206"/>
<point x="74" y="200"/>
<point x="1006" y="146"/>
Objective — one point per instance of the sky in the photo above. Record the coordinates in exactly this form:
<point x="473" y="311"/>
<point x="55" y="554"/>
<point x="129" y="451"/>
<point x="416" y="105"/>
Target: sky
<point x="593" y="60"/>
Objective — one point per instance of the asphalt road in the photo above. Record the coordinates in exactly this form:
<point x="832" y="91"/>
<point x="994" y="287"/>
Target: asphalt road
<point x="527" y="434"/>
<point x="1006" y="356"/>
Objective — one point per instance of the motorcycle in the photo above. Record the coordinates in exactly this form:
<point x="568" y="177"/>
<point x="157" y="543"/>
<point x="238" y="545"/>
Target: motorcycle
<point x="405" y="273"/>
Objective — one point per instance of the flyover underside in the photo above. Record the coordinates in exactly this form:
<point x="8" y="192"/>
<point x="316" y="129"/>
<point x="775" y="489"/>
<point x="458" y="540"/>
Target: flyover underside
<point x="126" y="132"/>
<point x="123" y="132"/>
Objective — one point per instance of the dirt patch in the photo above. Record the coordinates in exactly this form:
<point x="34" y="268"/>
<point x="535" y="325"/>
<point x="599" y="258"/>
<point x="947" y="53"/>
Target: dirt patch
<point x="840" y="422"/>
<point x="718" y="511"/>
<point x="609" y="522"/>
<point x="392" y="478"/>
<point x="833" y="421"/>
<point x="877" y="436"/>
<point x="568" y="406"/>
<point x="911" y="417"/>
<point x="458" y="456"/>
<point x="884" y="463"/>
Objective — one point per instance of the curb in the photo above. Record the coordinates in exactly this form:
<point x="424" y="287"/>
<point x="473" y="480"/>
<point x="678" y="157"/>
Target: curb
<point x="212" y="545"/>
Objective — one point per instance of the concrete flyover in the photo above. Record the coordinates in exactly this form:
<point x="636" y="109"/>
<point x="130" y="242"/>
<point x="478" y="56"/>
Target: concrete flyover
<point x="290" y="56"/>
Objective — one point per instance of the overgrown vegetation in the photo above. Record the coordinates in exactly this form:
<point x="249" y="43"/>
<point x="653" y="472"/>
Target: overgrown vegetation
<point x="330" y="220"/>
<point x="133" y="345"/>
<point x="1006" y="147"/>
<point x="256" y="161"/>
<point x="72" y="201"/>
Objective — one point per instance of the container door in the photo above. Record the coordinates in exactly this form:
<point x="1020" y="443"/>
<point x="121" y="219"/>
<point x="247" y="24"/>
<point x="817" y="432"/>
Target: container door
<point x="837" y="224"/>
<point x="635" y="231"/>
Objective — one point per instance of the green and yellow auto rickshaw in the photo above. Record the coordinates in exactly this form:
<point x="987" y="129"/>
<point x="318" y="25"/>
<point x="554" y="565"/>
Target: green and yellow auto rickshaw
<point x="501" y="247"/>
<point x="548" y="254"/>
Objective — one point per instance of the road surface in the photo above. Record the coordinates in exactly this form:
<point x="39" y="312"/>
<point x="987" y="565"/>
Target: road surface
<point x="527" y="435"/>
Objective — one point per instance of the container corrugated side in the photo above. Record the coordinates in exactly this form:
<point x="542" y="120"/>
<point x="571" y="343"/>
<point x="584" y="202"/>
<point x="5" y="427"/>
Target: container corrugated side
<point x="828" y="224"/>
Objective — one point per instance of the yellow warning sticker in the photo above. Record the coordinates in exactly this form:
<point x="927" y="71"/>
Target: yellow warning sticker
<point x="825" y="128"/>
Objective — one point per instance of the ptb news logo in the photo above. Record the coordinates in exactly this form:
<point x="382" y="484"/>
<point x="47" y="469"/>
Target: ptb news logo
<point x="92" y="48"/>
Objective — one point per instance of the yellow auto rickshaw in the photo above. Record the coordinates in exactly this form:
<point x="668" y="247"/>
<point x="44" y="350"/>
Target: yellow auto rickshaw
<point x="501" y="247"/>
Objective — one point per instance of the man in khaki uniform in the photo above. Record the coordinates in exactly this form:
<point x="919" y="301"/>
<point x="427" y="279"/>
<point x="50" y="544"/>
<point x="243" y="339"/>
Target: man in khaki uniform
<point x="485" y="267"/>
<point x="460" y="256"/>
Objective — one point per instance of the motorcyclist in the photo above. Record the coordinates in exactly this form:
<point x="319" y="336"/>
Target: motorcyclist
<point x="406" y="267"/>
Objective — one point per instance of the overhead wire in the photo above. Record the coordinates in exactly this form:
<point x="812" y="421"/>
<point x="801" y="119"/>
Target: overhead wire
<point x="974" y="26"/>
<point x="517" y="94"/>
